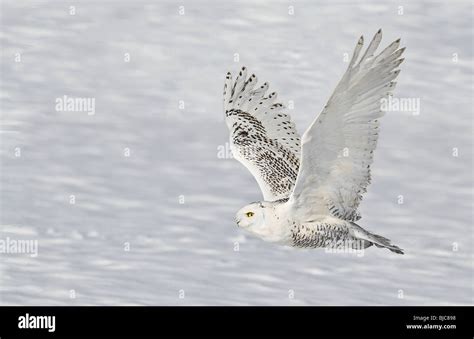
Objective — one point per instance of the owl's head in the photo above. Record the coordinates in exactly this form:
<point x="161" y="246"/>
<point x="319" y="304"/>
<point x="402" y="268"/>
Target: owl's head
<point x="251" y="217"/>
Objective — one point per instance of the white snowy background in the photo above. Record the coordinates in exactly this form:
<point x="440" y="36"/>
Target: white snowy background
<point x="185" y="253"/>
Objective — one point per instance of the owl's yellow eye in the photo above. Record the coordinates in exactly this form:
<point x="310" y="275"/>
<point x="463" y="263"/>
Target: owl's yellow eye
<point x="249" y="214"/>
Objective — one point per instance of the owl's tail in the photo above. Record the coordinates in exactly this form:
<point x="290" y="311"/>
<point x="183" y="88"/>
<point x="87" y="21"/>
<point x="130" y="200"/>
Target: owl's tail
<point x="384" y="242"/>
<point x="375" y="239"/>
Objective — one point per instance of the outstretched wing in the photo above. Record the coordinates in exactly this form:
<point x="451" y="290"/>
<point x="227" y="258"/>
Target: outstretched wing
<point x="262" y="136"/>
<point x="337" y="149"/>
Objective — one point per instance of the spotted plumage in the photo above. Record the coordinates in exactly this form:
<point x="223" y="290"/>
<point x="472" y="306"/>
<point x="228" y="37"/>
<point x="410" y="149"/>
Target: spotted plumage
<point x="312" y="186"/>
<point x="262" y="136"/>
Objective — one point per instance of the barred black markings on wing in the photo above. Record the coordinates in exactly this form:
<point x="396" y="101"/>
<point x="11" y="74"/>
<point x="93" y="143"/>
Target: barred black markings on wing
<point x="262" y="136"/>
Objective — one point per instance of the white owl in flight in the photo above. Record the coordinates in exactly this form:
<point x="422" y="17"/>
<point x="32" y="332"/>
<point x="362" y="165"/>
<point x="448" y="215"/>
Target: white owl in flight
<point x="312" y="186"/>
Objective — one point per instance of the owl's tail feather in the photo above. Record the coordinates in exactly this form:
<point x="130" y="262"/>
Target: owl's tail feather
<point x="377" y="240"/>
<point x="384" y="242"/>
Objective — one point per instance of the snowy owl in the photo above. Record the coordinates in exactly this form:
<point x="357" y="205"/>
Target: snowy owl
<point x="312" y="186"/>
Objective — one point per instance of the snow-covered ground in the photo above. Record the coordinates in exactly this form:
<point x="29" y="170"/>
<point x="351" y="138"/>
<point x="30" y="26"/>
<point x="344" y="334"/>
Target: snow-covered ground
<point x="156" y="227"/>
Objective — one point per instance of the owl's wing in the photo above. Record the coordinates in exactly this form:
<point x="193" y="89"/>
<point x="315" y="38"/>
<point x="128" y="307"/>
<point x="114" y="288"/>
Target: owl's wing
<point x="262" y="136"/>
<point x="337" y="149"/>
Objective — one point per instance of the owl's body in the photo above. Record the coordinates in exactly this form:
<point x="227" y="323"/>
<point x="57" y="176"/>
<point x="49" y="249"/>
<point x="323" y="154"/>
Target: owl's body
<point x="272" y="222"/>
<point x="312" y="186"/>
